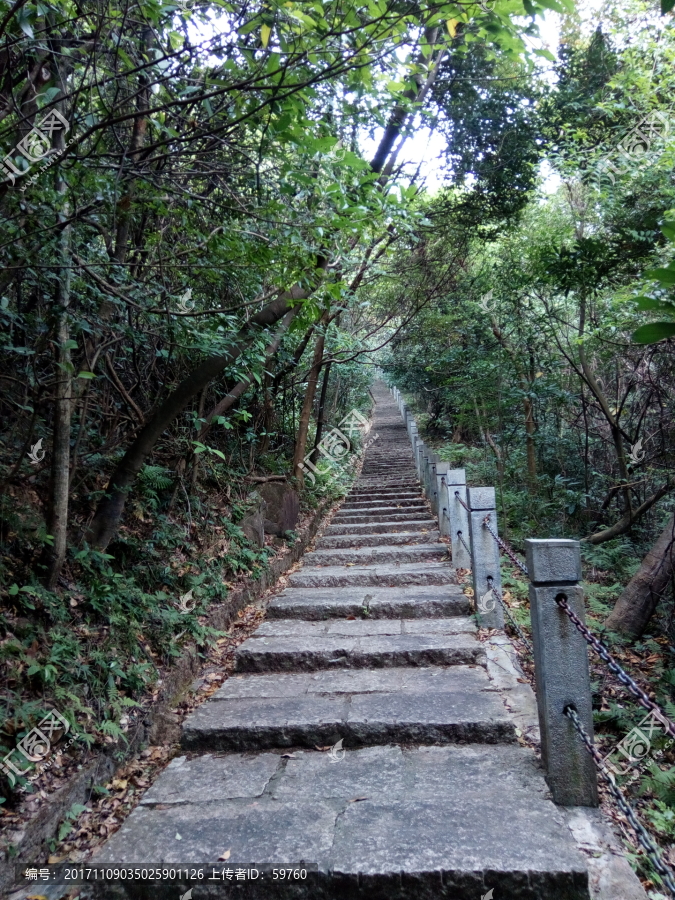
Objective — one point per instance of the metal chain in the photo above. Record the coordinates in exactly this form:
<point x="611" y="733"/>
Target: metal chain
<point x="504" y="546"/>
<point x="642" y="835"/>
<point x="615" y="668"/>
<point x="506" y="609"/>
<point x="461" y="501"/>
<point x="459" y="535"/>
<point x="445" y="513"/>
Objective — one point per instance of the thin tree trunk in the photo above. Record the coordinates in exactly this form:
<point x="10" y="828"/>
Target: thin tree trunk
<point x="636" y="605"/>
<point x="310" y="393"/>
<point x="57" y="508"/>
<point x="320" y="414"/>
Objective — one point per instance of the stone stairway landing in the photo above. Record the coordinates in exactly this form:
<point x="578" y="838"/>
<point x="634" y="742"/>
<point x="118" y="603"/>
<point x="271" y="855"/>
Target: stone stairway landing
<point x="372" y="644"/>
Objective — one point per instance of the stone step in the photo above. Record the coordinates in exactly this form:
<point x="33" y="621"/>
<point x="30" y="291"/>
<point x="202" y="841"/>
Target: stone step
<point x="392" y="494"/>
<point x="371" y="602"/>
<point x="361" y="649"/>
<point x="376" y="540"/>
<point x="382" y="823"/>
<point x="383" y="575"/>
<point x="391" y="526"/>
<point x="362" y="707"/>
<point x="366" y="556"/>
<point x="376" y="503"/>
<point x="380" y="514"/>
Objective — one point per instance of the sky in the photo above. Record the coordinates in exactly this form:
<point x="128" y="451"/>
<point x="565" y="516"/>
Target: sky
<point x="425" y="148"/>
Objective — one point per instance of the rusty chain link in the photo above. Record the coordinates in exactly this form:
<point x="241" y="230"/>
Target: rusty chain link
<point x="504" y="546"/>
<point x="457" y="497"/>
<point x="642" y="835"/>
<point x="466" y="546"/>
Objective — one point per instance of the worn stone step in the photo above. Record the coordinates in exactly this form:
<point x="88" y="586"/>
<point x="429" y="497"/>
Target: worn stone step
<point x="370" y="602"/>
<point x="362" y="707"/>
<point x="369" y="496"/>
<point x="380" y="514"/>
<point x="364" y="556"/>
<point x="376" y="540"/>
<point x="388" y="527"/>
<point x="376" y="503"/>
<point x="310" y="652"/>
<point x="383" y="575"/>
<point x="382" y="823"/>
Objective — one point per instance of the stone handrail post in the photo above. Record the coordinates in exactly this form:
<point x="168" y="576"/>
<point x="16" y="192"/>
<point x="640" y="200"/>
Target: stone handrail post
<point x="485" y="553"/>
<point x="458" y="518"/>
<point x="561" y="670"/>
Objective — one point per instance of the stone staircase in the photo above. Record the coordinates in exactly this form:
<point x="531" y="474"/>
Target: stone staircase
<point x="373" y="644"/>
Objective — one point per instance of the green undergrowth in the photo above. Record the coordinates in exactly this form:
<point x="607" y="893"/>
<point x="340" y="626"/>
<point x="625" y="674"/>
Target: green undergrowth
<point x="94" y="647"/>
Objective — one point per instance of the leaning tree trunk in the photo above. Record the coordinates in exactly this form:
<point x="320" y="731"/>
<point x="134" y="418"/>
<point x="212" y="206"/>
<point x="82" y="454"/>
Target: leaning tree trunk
<point x="110" y="509"/>
<point x="637" y="603"/>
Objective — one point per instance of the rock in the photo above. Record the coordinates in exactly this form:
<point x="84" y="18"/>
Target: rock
<point x="254" y="528"/>
<point x="283" y="507"/>
<point x="253" y="525"/>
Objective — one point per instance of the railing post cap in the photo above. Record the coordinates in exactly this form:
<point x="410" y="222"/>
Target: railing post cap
<point x="482" y="498"/>
<point x="442" y="468"/>
<point x="456" y="476"/>
<point x="553" y="560"/>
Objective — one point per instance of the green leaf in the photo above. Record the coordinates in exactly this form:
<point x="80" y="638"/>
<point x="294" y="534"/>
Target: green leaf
<point x="649" y="303"/>
<point x="88" y="375"/>
<point x="668" y="228"/>
<point x="265" y="33"/>
<point x="665" y="276"/>
<point x="654" y="332"/>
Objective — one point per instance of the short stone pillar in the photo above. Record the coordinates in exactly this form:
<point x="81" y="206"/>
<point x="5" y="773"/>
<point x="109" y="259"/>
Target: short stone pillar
<point x="426" y="471"/>
<point x="485" y="557"/>
<point x="457" y="518"/>
<point x="561" y="670"/>
<point x="433" y="483"/>
<point x="419" y="450"/>
<point x="442" y="496"/>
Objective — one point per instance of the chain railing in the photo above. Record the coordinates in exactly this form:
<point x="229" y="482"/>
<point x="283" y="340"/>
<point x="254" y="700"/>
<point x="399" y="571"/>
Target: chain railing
<point x="614" y="667"/>
<point x="554" y="570"/>
<point x="642" y="835"/>
<point x="458" y="497"/>
<point x="464" y="543"/>
<point x="498" y="596"/>
<point x="501" y="543"/>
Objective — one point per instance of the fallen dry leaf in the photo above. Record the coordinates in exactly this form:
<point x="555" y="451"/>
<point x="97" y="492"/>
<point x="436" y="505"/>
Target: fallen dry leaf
<point x="225" y="855"/>
<point x="288" y="756"/>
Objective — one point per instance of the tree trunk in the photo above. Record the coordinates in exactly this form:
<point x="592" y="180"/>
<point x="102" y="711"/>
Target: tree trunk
<point x="110" y="509"/>
<point x="320" y="414"/>
<point x="310" y="393"/>
<point x="57" y="507"/>
<point x="637" y="603"/>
